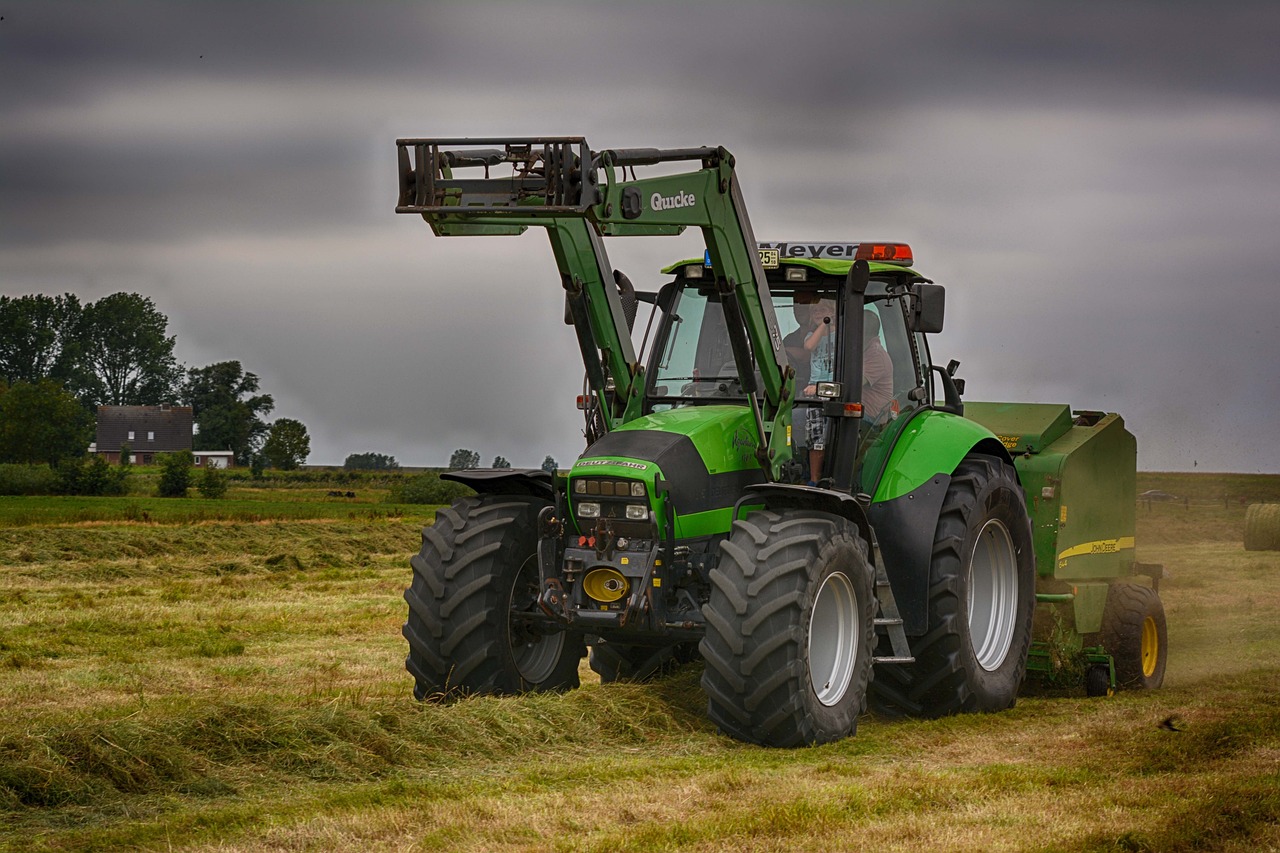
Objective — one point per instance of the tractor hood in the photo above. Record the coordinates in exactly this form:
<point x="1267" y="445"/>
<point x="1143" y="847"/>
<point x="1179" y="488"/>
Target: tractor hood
<point x="703" y="455"/>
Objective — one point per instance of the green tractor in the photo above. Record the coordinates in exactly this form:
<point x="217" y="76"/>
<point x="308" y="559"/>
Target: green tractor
<point x="786" y="486"/>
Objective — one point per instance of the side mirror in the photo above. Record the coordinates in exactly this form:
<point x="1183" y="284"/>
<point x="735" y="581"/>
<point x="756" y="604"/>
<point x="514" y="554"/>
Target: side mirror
<point x="929" y="306"/>
<point x="859" y="275"/>
<point x="950" y="393"/>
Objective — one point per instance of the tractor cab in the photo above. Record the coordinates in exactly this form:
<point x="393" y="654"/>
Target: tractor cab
<point x="691" y="362"/>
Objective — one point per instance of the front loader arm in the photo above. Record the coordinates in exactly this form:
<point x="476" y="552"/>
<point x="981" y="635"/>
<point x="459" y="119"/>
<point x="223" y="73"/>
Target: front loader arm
<point x="598" y="318"/>
<point x="555" y="184"/>
<point x="711" y="200"/>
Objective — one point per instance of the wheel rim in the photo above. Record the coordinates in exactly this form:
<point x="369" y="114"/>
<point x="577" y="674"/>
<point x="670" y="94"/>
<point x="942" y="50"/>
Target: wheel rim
<point x="1150" y="647"/>
<point x="993" y="594"/>
<point x="535" y="653"/>
<point x="833" y="638"/>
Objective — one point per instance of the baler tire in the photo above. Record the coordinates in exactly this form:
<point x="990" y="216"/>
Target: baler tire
<point x="984" y="506"/>
<point x="784" y="577"/>
<point x="476" y="572"/>
<point x="1135" y="634"/>
<point x="622" y="662"/>
<point x="1097" y="681"/>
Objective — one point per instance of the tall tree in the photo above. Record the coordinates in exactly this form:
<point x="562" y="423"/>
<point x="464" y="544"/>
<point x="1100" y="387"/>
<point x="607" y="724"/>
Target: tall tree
<point x="229" y="418"/>
<point x="126" y="358"/>
<point x="38" y="337"/>
<point x="42" y="422"/>
<point x="287" y="444"/>
<point x="464" y="459"/>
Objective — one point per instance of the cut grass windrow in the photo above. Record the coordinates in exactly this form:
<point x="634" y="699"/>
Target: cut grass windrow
<point x="239" y="685"/>
<point x="633" y="767"/>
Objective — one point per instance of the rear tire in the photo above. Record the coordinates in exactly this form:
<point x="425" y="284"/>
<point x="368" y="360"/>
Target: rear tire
<point x="790" y="628"/>
<point x="1134" y="633"/>
<point x="621" y="662"/>
<point x="474" y="579"/>
<point x="981" y="600"/>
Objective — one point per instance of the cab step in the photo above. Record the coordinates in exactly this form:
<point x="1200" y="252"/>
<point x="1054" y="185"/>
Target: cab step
<point x="890" y="619"/>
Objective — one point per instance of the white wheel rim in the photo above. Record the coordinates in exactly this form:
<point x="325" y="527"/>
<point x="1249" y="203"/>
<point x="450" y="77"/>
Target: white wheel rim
<point x="833" y="638"/>
<point x="535" y="660"/>
<point x="993" y="594"/>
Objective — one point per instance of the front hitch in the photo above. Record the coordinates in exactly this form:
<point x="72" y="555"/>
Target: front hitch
<point x="552" y="600"/>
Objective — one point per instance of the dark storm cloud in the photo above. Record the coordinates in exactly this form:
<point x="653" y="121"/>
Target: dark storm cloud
<point x="92" y="46"/>
<point x="1094" y="182"/>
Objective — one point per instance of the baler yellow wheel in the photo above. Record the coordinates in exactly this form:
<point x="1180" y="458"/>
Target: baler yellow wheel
<point x="1150" y="647"/>
<point x="1134" y="633"/>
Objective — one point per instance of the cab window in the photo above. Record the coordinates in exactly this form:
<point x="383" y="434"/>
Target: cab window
<point x="695" y="358"/>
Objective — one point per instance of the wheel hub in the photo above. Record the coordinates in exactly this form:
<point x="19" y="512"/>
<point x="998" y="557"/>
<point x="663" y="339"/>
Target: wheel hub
<point x="993" y="594"/>
<point x="833" y="638"/>
<point x="535" y="653"/>
<point x="1150" y="647"/>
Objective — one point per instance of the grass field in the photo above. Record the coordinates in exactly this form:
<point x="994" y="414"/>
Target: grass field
<point x="228" y="675"/>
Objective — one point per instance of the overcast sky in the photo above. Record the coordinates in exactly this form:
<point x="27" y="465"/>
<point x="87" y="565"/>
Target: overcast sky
<point x="1097" y="185"/>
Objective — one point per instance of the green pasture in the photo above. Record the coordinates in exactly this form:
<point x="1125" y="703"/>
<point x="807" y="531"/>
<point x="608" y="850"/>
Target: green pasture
<point x="245" y="505"/>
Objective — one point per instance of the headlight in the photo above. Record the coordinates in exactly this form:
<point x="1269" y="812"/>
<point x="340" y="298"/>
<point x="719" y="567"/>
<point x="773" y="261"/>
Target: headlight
<point x="588" y="509"/>
<point x="579" y="486"/>
<point x="830" y="390"/>
<point x="637" y="489"/>
<point x="637" y="512"/>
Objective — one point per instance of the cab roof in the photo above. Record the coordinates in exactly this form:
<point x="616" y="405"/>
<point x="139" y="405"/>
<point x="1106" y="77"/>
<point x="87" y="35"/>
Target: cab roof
<point x="827" y="258"/>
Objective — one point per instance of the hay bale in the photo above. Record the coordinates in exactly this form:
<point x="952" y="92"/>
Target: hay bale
<point x="1262" y="528"/>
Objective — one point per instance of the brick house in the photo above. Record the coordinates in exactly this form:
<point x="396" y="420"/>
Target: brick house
<point x="147" y="430"/>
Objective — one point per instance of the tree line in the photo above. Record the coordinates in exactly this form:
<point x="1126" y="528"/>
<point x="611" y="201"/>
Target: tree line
<point x="462" y="459"/>
<point x="60" y="359"/>
<point x="465" y="459"/>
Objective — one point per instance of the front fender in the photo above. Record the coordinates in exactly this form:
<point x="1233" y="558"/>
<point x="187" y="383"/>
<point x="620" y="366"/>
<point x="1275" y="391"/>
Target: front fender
<point x="784" y="496"/>
<point x="506" y="481"/>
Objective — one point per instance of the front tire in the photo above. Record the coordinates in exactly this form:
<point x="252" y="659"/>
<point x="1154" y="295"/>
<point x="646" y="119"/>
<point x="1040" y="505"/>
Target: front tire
<point x="475" y="582"/>
<point x="1134" y="633"/>
<point x="981" y="600"/>
<point x="790" y="628"/>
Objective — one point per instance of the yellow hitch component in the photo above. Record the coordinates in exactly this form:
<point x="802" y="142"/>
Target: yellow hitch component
<point x="605" y="585"/>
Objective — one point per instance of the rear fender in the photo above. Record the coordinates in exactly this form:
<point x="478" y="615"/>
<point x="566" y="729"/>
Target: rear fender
<point x="909" y="499"/>
<point x="933" y="442"/>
